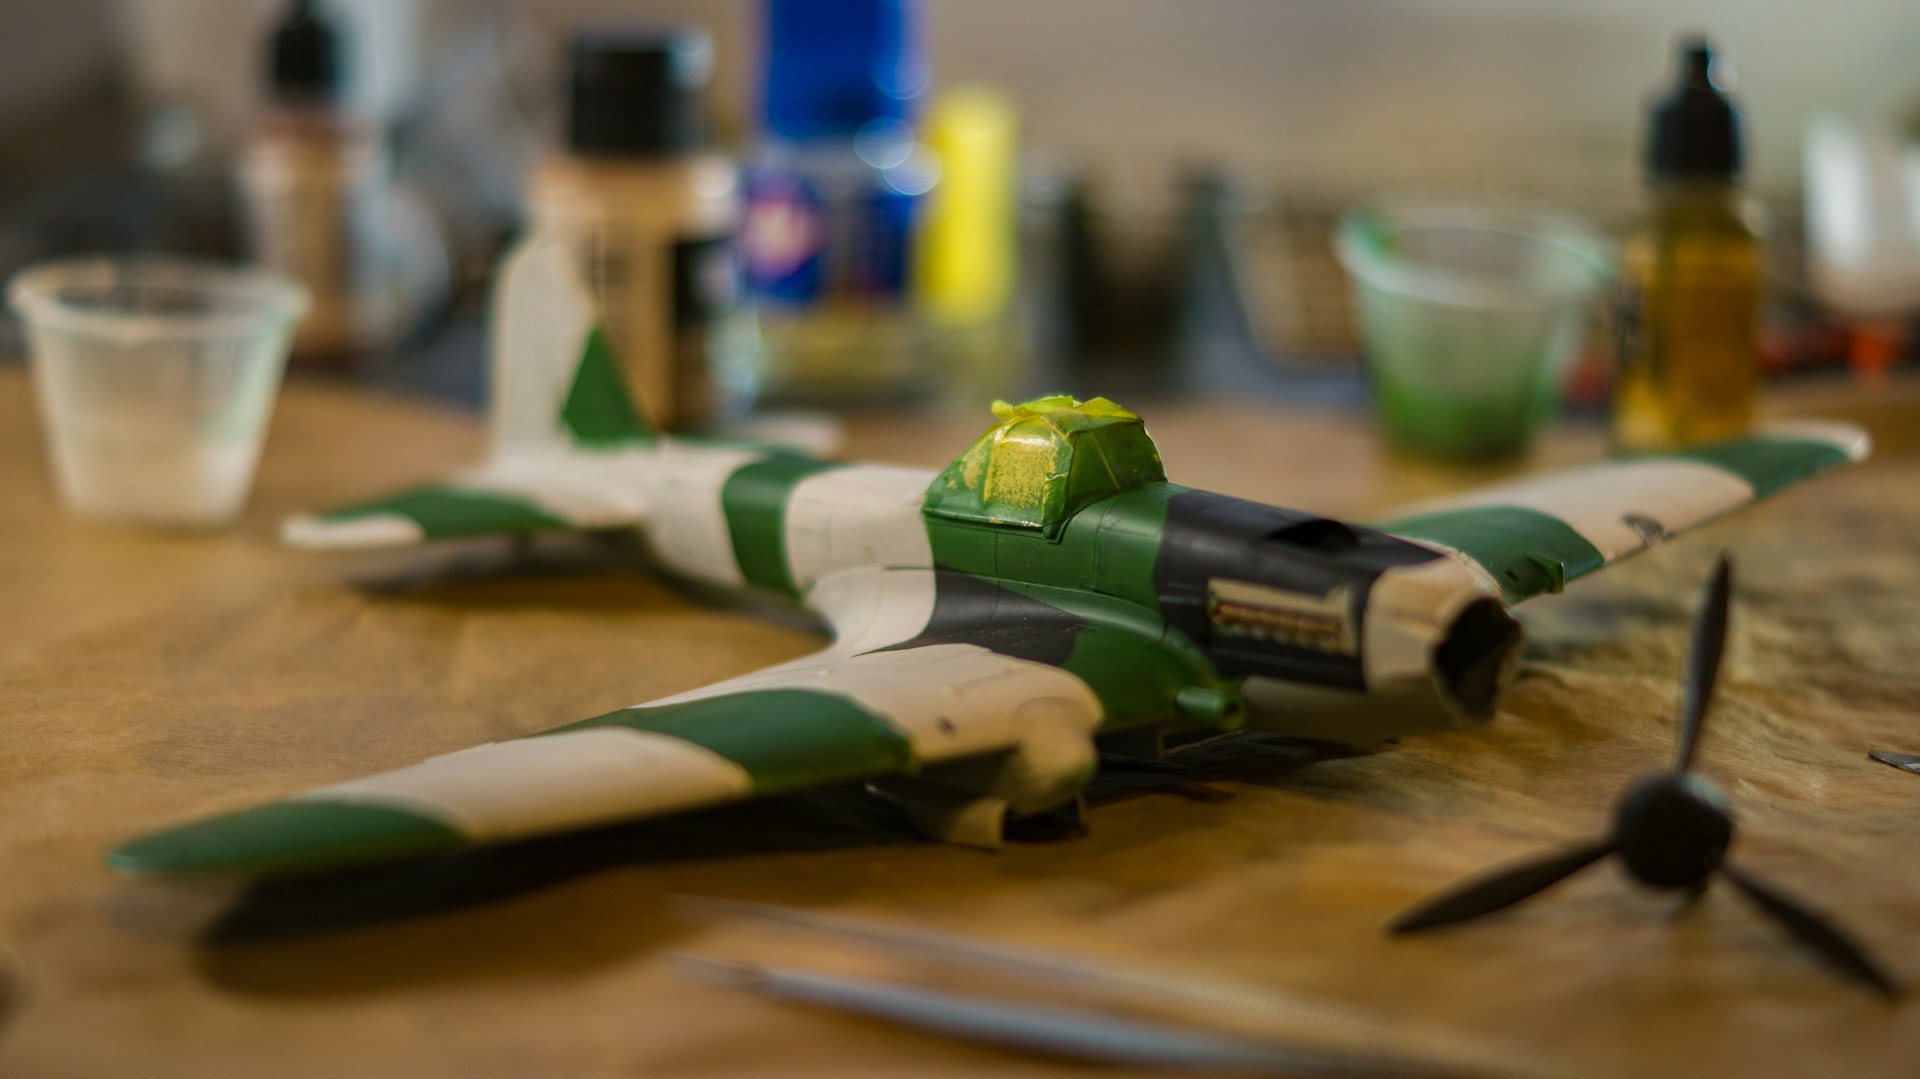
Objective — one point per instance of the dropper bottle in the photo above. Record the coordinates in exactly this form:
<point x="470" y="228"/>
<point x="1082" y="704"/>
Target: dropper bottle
<point x="1689" y="327"/>
<point x="314" y="177"/>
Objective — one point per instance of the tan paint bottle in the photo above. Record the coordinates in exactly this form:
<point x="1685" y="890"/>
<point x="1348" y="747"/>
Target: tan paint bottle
<point x="314" y="180"/>
<point x="649" y="217"/>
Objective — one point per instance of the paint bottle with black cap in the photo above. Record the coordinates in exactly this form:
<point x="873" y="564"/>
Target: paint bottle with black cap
<point x="648" y="214"/>
<point x="314" y="178"/>
<point x="1692" y="273"/>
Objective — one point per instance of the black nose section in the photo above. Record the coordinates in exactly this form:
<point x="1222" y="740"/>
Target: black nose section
<point x="1476" y="657"/>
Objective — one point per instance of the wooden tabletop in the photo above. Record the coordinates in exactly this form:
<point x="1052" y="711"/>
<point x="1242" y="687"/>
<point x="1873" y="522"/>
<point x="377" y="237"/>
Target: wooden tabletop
<point x="146" y="678"/>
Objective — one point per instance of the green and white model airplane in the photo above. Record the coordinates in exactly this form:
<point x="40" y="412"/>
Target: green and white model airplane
<point x="992" y="623"/>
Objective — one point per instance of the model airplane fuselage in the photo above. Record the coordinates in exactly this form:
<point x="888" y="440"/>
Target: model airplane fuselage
<point x="991" y="622"/>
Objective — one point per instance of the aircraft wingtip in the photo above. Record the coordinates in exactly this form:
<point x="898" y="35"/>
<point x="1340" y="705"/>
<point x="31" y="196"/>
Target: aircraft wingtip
<point x="291" y="837"/>
<point x="316" y="532"/>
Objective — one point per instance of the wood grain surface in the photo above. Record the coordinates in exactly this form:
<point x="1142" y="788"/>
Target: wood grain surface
<point x="145" y="678"/>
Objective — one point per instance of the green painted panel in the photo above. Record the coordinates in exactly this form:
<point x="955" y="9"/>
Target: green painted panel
<point x="1025" y="555"/>
<point x="1528" y="552"/>
<point x="1109" y="546"/>
<point x="1136" y="680"/>
<point x="287" y="837"/>
<point x="784" y="738"/>
<point x="1127" y="529"/>
<point x="755" y="499"/>
<point x="1769" y="464"/>
<point x="599" y="410"/>
<point x="968" y="548"/>
<point x="452" y="512"/>
<point x="1125" y="652"/>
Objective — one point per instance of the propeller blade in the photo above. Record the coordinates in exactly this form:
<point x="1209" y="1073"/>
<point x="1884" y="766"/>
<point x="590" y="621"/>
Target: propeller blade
<point x="1814" y="931"/>
<point x="1703" y="660"/>
<point x="1503" y="888"/>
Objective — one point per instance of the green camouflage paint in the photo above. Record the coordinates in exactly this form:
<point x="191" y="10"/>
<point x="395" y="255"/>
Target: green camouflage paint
<point x="1109" y="547"/>
<point x="300" y="836"/>
<point x="784" y="738"/>
<point x="453" y="512"/>
<point x="755" y="501"/>
<point x="1527" y="552"/>
<point x="598" y="411"/>
<point x="1768" y="464"/>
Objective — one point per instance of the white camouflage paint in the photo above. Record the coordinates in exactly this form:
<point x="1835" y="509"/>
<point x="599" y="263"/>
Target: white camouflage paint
<point x="690" y="529"/>
<point x="551" y="782"/>
<point x="1598" y="501"/>
<point x="948" y="700"/>
<point x="310" y="533"/>
<point x="1408" y="610"/>
<point x="862" y="515"/>
<point x="874" y="608"/>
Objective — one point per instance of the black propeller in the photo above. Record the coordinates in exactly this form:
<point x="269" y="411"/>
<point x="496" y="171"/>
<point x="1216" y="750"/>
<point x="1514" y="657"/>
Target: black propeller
<point x="1671" y="831"/>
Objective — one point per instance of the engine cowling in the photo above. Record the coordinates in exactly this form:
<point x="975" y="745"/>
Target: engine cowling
<point x="1439" y="651"/>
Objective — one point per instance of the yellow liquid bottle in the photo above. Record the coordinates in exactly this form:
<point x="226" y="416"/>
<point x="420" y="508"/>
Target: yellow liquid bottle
<point x="1692" y="273"/>
<point x="1690" y="324"/>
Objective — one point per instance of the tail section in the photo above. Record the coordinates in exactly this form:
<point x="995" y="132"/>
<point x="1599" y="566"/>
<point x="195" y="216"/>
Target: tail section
<point x="556" y="382"/>
<point x="560" y="411"/>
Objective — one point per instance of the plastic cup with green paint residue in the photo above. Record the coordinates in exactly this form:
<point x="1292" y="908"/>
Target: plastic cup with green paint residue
<point x="1469" y="317"/>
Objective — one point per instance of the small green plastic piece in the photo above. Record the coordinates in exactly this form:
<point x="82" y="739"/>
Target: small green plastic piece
<point x="1207" y="706"/>
<point x="1043" y="462"/>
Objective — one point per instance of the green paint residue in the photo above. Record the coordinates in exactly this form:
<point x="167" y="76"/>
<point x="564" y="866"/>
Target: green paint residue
<point x="599" y="409"/>
<point x="1526" y="551"/>
<point x="1769" y="464"/>
<point x="785" y="738"/>
<point x="288" y="837"/>
<point x="1045" y="461"/>
<point x="755" y="500"/>
<point x="1487" y="425"/>
<point x="453" y="512"/>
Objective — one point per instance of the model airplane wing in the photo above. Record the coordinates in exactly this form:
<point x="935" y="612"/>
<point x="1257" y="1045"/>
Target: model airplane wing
<point x="1538" y="533"/>
<point x="565" y="455"/>
<point x="821" y="720"/>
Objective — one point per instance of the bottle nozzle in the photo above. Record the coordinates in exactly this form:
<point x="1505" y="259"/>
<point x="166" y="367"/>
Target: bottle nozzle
<point x="1697" y="56"/>
<point x="1696" y="129"/>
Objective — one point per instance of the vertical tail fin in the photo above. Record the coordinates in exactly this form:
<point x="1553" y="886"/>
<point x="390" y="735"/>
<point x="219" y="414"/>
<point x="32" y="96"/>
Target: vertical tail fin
<point x="556" y="382"/>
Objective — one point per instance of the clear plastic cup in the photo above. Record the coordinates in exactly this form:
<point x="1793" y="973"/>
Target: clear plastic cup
<point x="155" y="378"/>
<point x="1468" y="319"/>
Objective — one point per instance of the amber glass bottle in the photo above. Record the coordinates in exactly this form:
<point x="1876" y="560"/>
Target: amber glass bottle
<point x="1692" y="274"/>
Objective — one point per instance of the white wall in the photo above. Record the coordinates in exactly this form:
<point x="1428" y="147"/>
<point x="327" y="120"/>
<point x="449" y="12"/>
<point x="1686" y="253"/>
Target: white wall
<point x="49" y="52"/>
<point x="1529" y="94"/>
<point x="1536" y="92"/>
